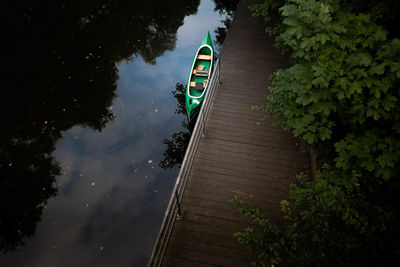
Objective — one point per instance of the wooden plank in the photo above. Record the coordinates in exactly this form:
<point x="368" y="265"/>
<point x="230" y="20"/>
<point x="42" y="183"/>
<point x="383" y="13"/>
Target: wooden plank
<point x="239" y="98"/>
<point x="270" y="206"/>
<point x="232" y="174"/>
<point x="215" y="233"/>
<point x="214" y="240"/>
<point x="246" y="150"/>
<point x="204" y="57"/>
<point x="212" y="248"/>
<point x="274" y="141"/>
<point x="266" y="159"/>
<point x="238" y="122"/>
<point x="236" y="157"/>
<point x="210" y="258"/>
<point x="250" y="169"/>
<point x="232" y="220"/>
<point x="229" y="190"/>
<point x="218" y="226"/>
<point x="266" y="164"/>
<point x="200" y="73"/>
<point x="177" y="260"/>
<point x="255" y="132"/>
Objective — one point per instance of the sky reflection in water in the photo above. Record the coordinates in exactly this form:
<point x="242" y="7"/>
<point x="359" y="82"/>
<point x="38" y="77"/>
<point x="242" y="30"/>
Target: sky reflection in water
<point x="111" y="191"/>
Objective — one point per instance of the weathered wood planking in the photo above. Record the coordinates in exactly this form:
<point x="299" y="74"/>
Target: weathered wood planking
<point x="236" y="157"/>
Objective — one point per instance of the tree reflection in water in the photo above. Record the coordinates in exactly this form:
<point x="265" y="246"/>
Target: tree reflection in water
<point x="176" y="146"/>
<point x="227" y="7"/>
<point x="60" y="70"/>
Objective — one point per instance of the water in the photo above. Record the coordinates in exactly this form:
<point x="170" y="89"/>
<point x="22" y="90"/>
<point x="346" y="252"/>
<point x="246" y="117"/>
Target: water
<point x="92" y="135"/>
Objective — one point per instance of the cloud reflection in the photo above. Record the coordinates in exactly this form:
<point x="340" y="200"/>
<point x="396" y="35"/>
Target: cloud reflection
<point x="195" y="26"/>
<point x="112" y="193"/>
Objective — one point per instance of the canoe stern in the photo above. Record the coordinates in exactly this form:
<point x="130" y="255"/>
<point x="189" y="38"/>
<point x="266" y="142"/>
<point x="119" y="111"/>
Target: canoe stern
<point x="192" y="107"/>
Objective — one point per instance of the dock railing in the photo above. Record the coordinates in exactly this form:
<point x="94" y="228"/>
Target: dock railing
<point x="174" y="210"/>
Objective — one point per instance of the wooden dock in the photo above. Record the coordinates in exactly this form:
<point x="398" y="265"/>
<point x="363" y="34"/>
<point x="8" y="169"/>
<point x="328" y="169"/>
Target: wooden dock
<point x="235" y="157"/>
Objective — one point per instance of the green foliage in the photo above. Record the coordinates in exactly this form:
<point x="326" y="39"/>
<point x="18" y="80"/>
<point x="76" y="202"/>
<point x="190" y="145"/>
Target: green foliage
<point x="265" y="244"/>
<point x="329" y="223"/>
<point x="269" y="11"/>
<point x="345" y="76"/>
<point x="340" y="95"/>
<point x="372" y="151"/>
<point x="266" y="9"/>
<point x="385" y="12"/>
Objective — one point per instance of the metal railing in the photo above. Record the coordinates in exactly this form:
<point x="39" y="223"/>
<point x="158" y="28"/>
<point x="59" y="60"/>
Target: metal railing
<point x="174" y="210"/>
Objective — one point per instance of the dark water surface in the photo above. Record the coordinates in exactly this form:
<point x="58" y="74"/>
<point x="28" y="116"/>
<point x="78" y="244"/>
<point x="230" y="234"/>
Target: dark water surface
<point x="91" y="134"/>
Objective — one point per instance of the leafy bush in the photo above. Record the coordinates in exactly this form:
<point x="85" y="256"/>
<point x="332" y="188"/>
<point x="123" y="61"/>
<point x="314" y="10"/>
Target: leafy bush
<point x="344" y="81"/>
<point x="341" y="96"/>
<point x="328" y="224"/>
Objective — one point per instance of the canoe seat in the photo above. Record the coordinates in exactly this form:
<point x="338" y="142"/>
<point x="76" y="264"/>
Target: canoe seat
<point x="198" y="86"/>
<point x="201" y="73"/>
<point x="204" y="57"/>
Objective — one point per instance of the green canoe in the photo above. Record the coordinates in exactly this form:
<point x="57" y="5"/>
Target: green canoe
<point x="200" y="73"/>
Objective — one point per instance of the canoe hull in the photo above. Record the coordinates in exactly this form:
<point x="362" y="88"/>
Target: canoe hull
<point x="199" y="74"/>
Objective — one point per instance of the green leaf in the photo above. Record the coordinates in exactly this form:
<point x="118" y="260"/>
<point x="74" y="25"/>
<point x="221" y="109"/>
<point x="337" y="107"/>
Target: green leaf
<point x="365" y="59"/>
<point x="290" y="22"/>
